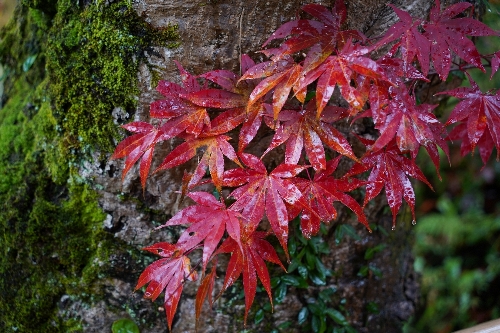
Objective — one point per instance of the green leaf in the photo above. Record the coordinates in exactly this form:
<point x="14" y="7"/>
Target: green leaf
<point x="275" y="281"/>
<point x="292" y="247"/>
<point x="310" y="95"/>
<point x="315" y="243"/>
<point x="363" y="271"/>
<point x="293" y="265"/>
<point x="349" y="329"/>
<point x="380" y="228"/>
<point x="317" y="280"/>
<point x="259" y="316"/>
<point x="302" y="283"/>
<point x="303" y="314"/>
<point x="267" y="307"/>
<point x="350" y="231"/>
<point x="322" y="328"/>
<point x="303" y="271"/>
<point x="311" y="260"/>
<point x="345" y="229"/>
<point x="321" y="269"/>
<point x="290" y="280"/>
<point x="336" y="316"/>
<point x="124" y="326"/>
<point x="280" y="293"/>
<point x="371" y="251"/>
<point x="326" y="294"/>
<point x="316" y="308"/>
<point x="372" y="307"/>
<point x="376" y="271"/>
<point x="285" y="325"/>
<point x="315" y="324"/>
<point x="29" y="62"/>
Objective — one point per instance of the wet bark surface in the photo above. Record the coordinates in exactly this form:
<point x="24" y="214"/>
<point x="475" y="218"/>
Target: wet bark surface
<point x="214" y="33"/>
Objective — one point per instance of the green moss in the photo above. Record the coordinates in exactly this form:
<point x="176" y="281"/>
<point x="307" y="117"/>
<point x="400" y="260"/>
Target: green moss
<point x="67" y="68"/>
<point x="93" y="58"/>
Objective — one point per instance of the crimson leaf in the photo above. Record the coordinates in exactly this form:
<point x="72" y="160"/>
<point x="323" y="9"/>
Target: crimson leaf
<point x="391" y="169"/>
<point x="261" y="192"/>
<point x="166" y="274"/>
<point x="249" y="260"/>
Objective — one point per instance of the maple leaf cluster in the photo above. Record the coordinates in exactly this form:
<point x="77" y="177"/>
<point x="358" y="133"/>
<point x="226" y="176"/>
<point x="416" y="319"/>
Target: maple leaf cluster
<point x="291" y="93"/>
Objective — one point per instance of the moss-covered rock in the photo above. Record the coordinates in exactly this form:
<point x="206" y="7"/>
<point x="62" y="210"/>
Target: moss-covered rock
<point x="67" y="67"/>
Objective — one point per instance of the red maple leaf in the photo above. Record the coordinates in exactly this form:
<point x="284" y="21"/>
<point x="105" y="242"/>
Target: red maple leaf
<point x="412" y="43"/>
<point x="281" y="75"/>
<point x="207" y="222"/>
<point x="138" y="145"/>
<point x="307" y="33"/>
<point x="167" y="274"/>
<point x="389" y="169"/>
<point x="249" y="260"/>
<point x="216" y="147"/>
<point x="481" y="113"/>
<point x="444" y="33"/>
<point x="205" y="289"/>
<point x="485" y="144"/>
<point x="447" y="33"/>
<point x="320" y="193"/>
<point x="304" y="130"/>
<point x="410" y="124"/>
<point x="181" y="114"/>
<point x="495" y="63"/>
<point x="260" y="192"/>
<point x="341" y="70"/>
<point x="237" y="93"/>
<point x="321" y="37"/>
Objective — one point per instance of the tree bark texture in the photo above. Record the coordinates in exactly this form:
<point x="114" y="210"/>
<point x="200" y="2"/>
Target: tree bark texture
<point x="213" y="35"/>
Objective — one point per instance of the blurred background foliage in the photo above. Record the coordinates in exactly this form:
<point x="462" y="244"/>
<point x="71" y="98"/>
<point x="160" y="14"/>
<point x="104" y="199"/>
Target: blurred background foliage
<point x="457" y="245"/>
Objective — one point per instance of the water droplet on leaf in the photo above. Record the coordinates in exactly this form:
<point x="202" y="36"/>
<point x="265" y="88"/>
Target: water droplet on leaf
<point x="414" y="222"/>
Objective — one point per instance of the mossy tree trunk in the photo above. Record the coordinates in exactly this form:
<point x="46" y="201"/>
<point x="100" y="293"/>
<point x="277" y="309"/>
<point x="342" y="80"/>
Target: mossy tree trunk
<point x="72" y="230"/>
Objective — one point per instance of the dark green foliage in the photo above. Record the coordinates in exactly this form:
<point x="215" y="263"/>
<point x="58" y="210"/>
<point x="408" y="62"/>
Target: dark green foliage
<point x="323" y="312"/>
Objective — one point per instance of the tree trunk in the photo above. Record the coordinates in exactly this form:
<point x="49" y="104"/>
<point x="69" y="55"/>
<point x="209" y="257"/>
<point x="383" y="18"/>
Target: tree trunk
<point x="377" y="294"/>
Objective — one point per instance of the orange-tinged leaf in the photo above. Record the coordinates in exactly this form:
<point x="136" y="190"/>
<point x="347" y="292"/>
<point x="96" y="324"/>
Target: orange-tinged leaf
<point x="215" y="148"/>
<point x="283" y="89"/>
<point x="205" y="289"/>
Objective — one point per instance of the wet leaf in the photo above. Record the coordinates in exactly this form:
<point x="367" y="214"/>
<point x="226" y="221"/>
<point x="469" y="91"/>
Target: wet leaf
<point x="247" y="259"/>
<point x="124" y="326"/>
